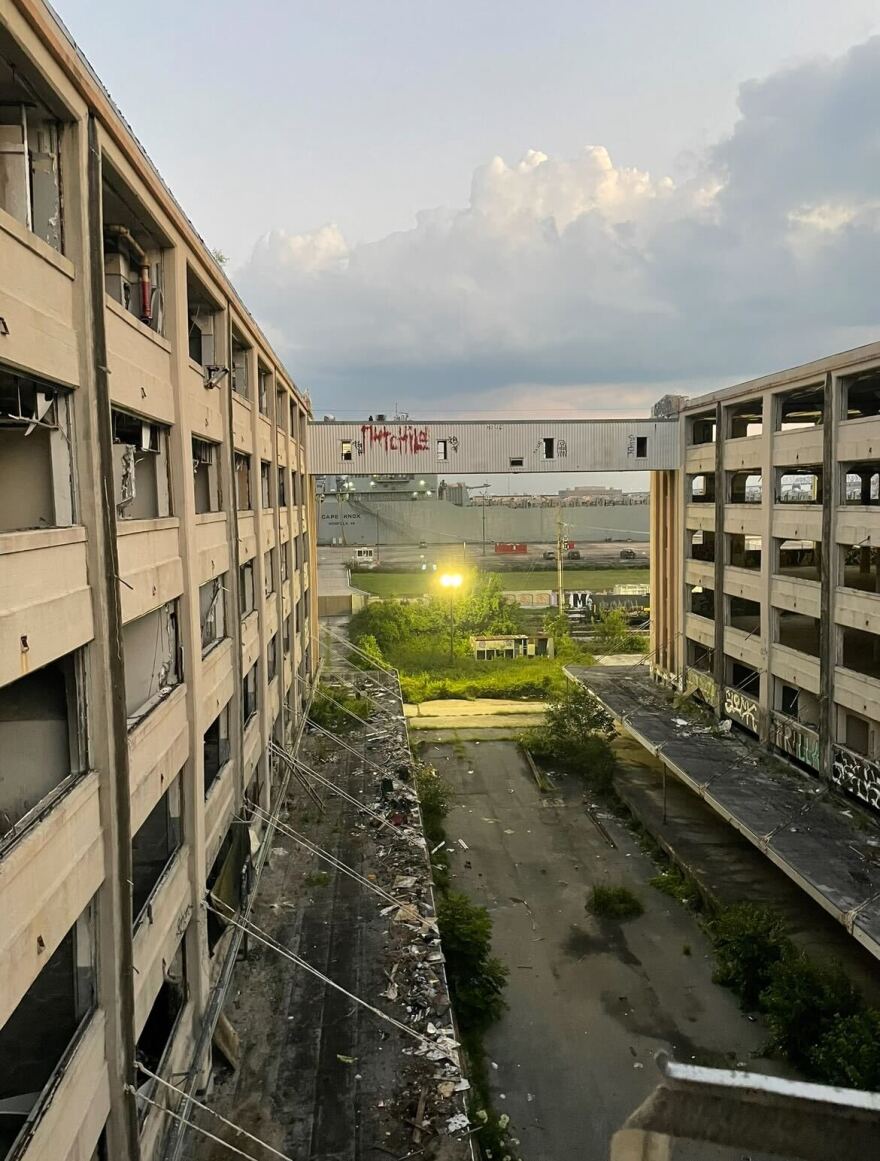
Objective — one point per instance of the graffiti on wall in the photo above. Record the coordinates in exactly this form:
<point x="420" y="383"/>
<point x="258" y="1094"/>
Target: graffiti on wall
<point x="794" y="739"/>
<point x="857" y="775"/>
<point x="405" y="438"/>
<point x="704" y="684"/>
<point x="741" y="708"/>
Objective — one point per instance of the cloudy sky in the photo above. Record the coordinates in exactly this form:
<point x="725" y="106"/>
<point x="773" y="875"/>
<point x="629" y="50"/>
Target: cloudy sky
<point x="567" y="207"/>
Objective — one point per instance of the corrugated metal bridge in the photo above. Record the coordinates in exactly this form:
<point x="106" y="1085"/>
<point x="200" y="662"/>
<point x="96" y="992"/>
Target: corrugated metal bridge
<point x="498" y="446"/>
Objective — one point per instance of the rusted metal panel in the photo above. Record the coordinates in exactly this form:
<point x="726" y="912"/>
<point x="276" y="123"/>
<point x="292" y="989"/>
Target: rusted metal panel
<point x="508" y="446"/>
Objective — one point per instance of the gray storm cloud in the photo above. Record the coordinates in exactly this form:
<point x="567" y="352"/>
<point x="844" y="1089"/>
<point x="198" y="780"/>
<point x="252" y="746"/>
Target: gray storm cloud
<point x="574" y="279"/>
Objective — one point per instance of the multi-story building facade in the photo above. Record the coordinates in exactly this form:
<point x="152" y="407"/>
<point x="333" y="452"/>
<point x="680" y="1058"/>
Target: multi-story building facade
<point x="766" y="563"/>
<point x="157" y="630"/>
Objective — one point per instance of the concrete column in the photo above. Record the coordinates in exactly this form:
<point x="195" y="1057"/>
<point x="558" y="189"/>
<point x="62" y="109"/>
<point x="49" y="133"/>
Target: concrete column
<point x="768" y="423"/>
<point x="720" y="555"/>
<point x="828" y="632"/>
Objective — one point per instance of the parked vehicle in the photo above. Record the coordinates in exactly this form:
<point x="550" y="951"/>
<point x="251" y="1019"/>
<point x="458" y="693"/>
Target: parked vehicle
<point x="549" y="555"/>
<point x="627" y="554"/>
<point x="572" y="554"/>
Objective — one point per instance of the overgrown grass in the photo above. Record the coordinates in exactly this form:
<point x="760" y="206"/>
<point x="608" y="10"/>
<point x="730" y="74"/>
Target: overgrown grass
<point x="416" y="584"/>
<point x="527" y="679"/>
<point x="674" y="882"/>
<point x="316" y="879"/>
<point x="336" y="709"/>
<point x="614" y="901"/>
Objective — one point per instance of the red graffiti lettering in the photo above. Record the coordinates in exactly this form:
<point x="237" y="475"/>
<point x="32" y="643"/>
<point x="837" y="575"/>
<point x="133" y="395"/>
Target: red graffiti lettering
<point x="405" y="439"/>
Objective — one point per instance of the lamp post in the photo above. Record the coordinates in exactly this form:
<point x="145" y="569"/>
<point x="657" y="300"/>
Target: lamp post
<point x="451" y="581"/>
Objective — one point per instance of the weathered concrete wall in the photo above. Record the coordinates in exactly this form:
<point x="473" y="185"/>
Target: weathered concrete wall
<point x="440" y="522"/>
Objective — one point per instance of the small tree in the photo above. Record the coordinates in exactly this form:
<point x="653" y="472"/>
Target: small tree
<point x="613" y="634"/>
<point x="575" y="737"/>
<point x="370" y="646"/>
<point x="476" y="977"/>
<point x="749" y="941"/>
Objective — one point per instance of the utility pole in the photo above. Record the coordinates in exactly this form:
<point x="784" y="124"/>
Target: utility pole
<point x="560" y="587"/>
<point x="484" y="487"/>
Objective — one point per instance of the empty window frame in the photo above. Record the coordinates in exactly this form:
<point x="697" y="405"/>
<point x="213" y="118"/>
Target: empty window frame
<point x="36" y="468"/>
<point x="699" y="656"/>
<point x="212" y="612"/>
<point x="861" y="484"/>
<point x="282" y="414"/>
<point x="701" y="488"/>
<point x="442" y="449"/>
<point x="206" y="476"/>
<point x="745" y="419"/>
<point x="282" y="487"/>
<point x="202" y="317"/>
<point x="803" y="408"/>
<point x="243" y="501"/>
<point x="861" y="394"/>
<point x="249" y="696"/>
<point x="269" y="572"/>
<point x="744" y="614"/>
<point x="742" y="678"/>
<point x="152" y="661"/>
<point x="246" y="595"/>
<point x="801" y="559"/>
<point x="857" y="733"/>
<point x="516" y="461"/>
<point x="701" y="601"/>
<point x="228" y="881"/>
<point x="133" y="252"/>
<point x="641" y="447"/>
<point x="799" y="485"/>
<point x="861" y="651"/>
<point x="548" y="447"/>
<point x="264" y="382"/>
<point x="701" y="428"/>
<point x="285" y="561"/>
<point x="42" y="741"/>
<point x="346" y="450"/>
<point x="743" y="551"/>
<point x="140" y="467"/>
<point x="798" y="704"/>
<point x="702" y="544"/>
<point x="240" y="361"/>
<point x="860" y="567"/>
<point x="153" y="846"/>
<point x="272" y="658"/>
<point x="797" y="631"/>
<point x="285" y="635"/>
<point x="265" y="496"/>
<point x="745" y="487"/>
<point x="30" y="155"/>
<point x="154" y="1043"/>
<point x="215" y="748"/>
<point x="36" y="1038"/>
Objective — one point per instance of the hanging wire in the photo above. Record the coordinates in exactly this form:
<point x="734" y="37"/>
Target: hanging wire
<point x="188" y="1124"/>
<point x="322" y="781"/>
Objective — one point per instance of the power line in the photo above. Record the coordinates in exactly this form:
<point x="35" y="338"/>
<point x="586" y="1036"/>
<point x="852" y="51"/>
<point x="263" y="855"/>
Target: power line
<point x="187" y="1124"/>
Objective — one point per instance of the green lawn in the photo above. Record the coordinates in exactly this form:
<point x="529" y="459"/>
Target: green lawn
<point x="414" y="584"/>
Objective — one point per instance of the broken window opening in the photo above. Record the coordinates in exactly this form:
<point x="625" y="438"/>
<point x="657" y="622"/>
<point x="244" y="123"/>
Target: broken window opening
<point x="282" y="487"/>
<point x="285" y="561"/>
<point x="701" y="601"/>
<point x="151" y="650"/>
<point x="442" y="449"/>
<point x="744" y="615"/>
<point x="30" y="156"/>
<point x="549" y="447"/>
<point x="133" y="252"/>
<point x="159" y="1030"/>
<point x="346" y="450"/>
<point x="206" y="476"/>
<point x="215" y="748"/>
<point x="37" y="1039"/>
<point x="246" y="596"/>
<point x="140" y="467"/>
<point x="42" y="742"/>
<point x="285" y="635"/>
<point x="282" y="414"/>
<point x="797" y="631"/>
<point x="861" y="484"/>
<point x="212" y="612"/>
<point x="745" y="419"/>
<point x="860" y="567"/>
<point x="799" y="485"/>
<point x="272" y="658"/>
<point x="801" y="559"/>
<point x="202" y="311"/>
<point x="229" y="880"/>
<point x="641" y="447"/>
<point x="243" y="482"/>
<point x="702" y="545"/>
<point x="861" y="651"/>
<point x="800" y="409"/>
<point x="269" y="572"/>
<point x="249" y="696"/>
<point x="744" y="551"/>
<point x="857" y="733"/>
<point x="798" y="704"/>
<point x="701" y="488"/>
<point x="701" y="428"/>
<point x="240" y="360"/>
<point x="516" y="461"/>
<point x="861" y="394"/>
<point x="265" y="498"/>
<point x="743" y="678"/>
<point x="153" y="847"/>
<point x="745" y="487"/>
<point x="700" y="656"/>
<point x="264" y="378"/>
<point x="36" y="466"/>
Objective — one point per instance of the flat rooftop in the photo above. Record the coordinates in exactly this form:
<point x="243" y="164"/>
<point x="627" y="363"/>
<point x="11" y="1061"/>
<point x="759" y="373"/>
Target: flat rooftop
<point x="829" y="848"/>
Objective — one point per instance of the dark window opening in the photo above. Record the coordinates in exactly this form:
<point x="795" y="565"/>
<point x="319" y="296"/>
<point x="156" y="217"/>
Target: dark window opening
<point x="202" y="311"/>
<point x="798" y="631"/>
<point x="240" y="359"/>
<point x="243" y="482"/>
<point x="269" y="572"/>
<point x="285" y="561"/>
<point x="152" y="661"/>
<point x="798" y="704"/>
<point x="702" y="428"/>
<point x="701" y="488"/>
<point x="702" y="545"/>
<point x="442" y="450"/>
<point x="272" y="658"/>
<point x="215" y="748"/>
<point x="516" y="461"/>
<point x="861" y="652"/>
<point x="228" y="881"/>
<point x="153" y="847"/>
<point x="263" y="381"/>
<point x="133" y="252"/>
<point x="800" y="558"/>
<point x="744" y="419"/>
<point x="249" y="696"/>
<point x="799" y="485"/>
<point x="206" y="476"/>
<point x="282" y="487"/>
<point x="861" y="395"/>
<point x="745" y="615"/>
<point x="212" y="612"/>
<point x="38" y="1034"/>
<point x="800" y="409"/>
<point x="857" y="734"/>
<point x="744" y="551"/>
<point x="160" y="1026"/>
<point x="140" y="468"/>
<point x="641" y="447"/>
<point x="265" y="499"/>
<point x="281" y="412"/>
<point x="861" y="484"/>
<point x="246" y="602"/>
<point x="35" y="459"/>
<point x="549" y="448"/>
<point x="745" y="487"/>
<point x="861" y="567"/>
<point x="700" y="657"/>
<point x="346" y="450"/>
<point x="702" y="601"/>
<point x="743" y="678"/>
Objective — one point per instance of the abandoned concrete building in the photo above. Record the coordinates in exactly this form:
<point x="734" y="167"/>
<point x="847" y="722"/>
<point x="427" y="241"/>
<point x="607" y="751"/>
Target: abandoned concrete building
<point x="156" y="618"/>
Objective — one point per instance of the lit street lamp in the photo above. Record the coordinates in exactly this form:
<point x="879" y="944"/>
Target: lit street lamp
<point x="451" y="581"/>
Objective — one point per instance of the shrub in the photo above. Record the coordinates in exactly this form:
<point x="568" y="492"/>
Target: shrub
<point x="614" y="902"/>
<point x="749" y="941"/>
<point x="613" y="634"/>
<point x="337" y="718"/>
<point x="476" y="977"/>
<point x="370" y="646"/>
<point x="434" y="795"/>
<point x="803" y="1002"/>
<point x="575" y="737"/>
<point x="848" y="1053"/>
